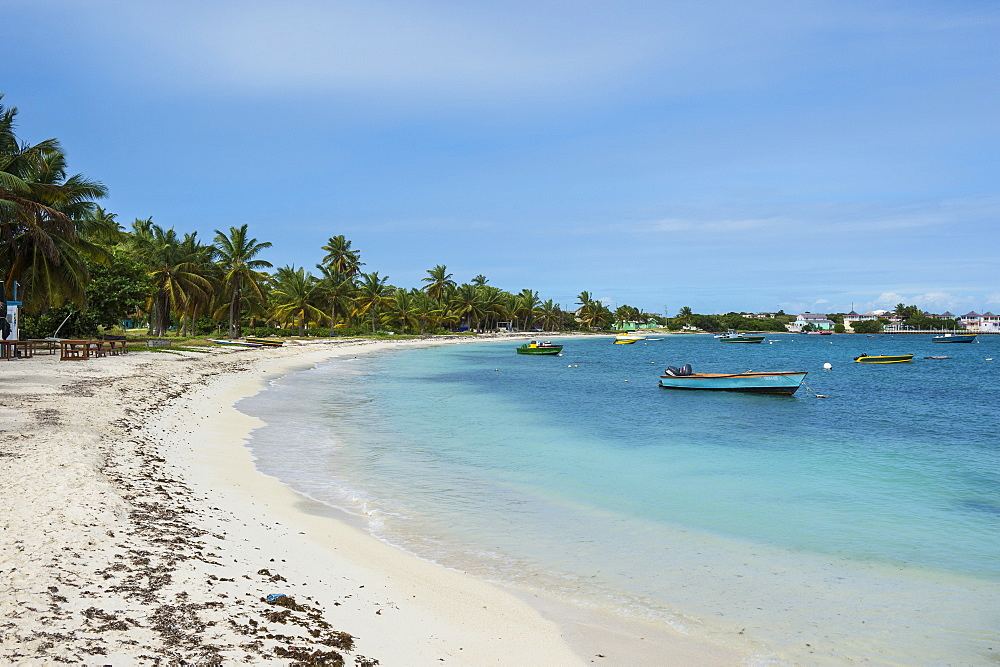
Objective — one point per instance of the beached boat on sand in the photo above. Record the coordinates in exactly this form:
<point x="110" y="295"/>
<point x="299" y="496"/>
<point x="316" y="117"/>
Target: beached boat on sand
<point x="954" y="338"/>
<point x="534" y="347"/>
<point x="266" y="342"/>
<point x="233" y="343"/>
<point x="775" y="382"/>
<point x="884" y="359"/>
<point x="734" y="336"/>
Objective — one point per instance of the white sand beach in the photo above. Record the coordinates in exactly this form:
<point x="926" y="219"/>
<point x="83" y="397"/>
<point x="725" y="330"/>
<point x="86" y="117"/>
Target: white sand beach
<point x="136" y="530"/>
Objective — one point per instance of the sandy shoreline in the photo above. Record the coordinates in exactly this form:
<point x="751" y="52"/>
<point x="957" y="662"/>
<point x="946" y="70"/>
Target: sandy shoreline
<point x="137" y="530"/>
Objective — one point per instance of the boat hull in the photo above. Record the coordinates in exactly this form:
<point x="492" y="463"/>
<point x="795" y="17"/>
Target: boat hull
<point x="965" y="338"/>
<point x="553" y="349"/>
<point x="781" y="382"/>
<point x="743" y="339"/>
<point x="885" y="359"/>
<point x="266" y="342"/>
<point x="626" y="341"/>
<point x="233" y="343"/>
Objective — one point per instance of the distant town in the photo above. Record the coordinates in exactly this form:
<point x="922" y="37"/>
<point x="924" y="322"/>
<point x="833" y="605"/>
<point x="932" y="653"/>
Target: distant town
<point x="904" y="319"/>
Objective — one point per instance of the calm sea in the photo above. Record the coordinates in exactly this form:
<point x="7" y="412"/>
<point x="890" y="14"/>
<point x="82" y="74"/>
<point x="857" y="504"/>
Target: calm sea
<point x="864" y="525"/>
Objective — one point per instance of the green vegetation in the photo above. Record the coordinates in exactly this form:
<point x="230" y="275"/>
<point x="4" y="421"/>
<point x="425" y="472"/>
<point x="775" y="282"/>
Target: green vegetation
<point x="869" y="326"/>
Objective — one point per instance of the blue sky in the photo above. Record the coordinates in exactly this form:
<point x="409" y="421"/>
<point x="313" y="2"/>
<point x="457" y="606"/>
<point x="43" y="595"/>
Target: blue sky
<point x="722" y="155"/>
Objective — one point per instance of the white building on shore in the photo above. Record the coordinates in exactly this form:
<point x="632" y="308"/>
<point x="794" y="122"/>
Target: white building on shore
<point x="818" y="322"/>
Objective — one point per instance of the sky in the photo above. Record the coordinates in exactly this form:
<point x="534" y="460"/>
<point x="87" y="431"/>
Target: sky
<point x="725" y="155"/>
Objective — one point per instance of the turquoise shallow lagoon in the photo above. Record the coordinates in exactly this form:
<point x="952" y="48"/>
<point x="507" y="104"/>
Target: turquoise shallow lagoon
<point x="860" y="526"/>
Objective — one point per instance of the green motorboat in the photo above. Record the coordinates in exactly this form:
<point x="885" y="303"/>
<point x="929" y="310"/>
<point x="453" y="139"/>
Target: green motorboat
<point x="534" y="347"/>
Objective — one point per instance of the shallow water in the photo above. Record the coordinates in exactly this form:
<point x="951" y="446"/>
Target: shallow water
<point x="862" y="525"/>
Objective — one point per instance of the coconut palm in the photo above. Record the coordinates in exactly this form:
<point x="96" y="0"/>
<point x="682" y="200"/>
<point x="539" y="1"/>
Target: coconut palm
<point x="496" y="304"/>
<point x="175" y="268"/>
<point x="525" y="307"/>
<point x="468" y="302"/>
<point x="340" y="256"/>
<point x="337" y="290"/>
<point x="479" y="280"/>
<point x="549" y="315"/>
<point x="428" y="311"/>
<point x="372" y="294"/>
<point x="406" y="308"/>
<point x="41" y="212"/>
<point x="101" y="227"/>
<point x="439" y="282"/>
<point x="592" y="314"/>
<point x="235" y="255"/>
<point x="296" y="296"/>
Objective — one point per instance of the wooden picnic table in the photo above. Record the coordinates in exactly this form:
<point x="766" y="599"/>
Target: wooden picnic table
<point x="15" y="349"/>
<point x="71" y="350"/>
<point x="47" y="344"/>
<point x="116" y="347"/>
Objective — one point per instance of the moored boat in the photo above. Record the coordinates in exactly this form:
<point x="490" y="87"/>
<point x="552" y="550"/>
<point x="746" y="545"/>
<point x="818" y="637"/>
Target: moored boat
<point x="734" y="336"/>
<point x="954" y="338"/>
<point x="534" y="347"/>
<point x="625" y="341"/>
<point x="884" y="359"/>
<point x="775" y="382"/>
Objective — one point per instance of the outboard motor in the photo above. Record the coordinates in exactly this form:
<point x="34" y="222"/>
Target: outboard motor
<point x="672" y="371"/>
<point x="686" y="369"/>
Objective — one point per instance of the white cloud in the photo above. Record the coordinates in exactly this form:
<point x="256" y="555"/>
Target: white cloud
<point x="537" y="49"/>
<point x="934" y="302"/>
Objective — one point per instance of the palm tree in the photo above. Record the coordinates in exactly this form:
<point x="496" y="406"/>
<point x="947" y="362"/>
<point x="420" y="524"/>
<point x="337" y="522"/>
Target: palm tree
<point x="372" y="294"/>
<point x="468" y="302"/>
<point x="495" y="304"/>
<point x="336" y="289"/>
<point x="173" y="268"/>
<point x="439" y="282"/>
<point x="480" y="280"/>
<point x="685" y="314"/>
<point x="341" y="257"/>
<point x="240" y="271"/>
<point x="41" y="214"/>
<point x="101" y="227"/>
<point x="428" y="311"/>
<point x="525" y="307"/>
<point x="550" y="315"/>
<point x="406" y="306"/>
<point x="295" y="296"/>
<point x="592" y="314"/>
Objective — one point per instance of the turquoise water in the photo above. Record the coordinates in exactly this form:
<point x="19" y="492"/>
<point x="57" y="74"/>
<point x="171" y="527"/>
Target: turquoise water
<point x="860" y="526"/>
